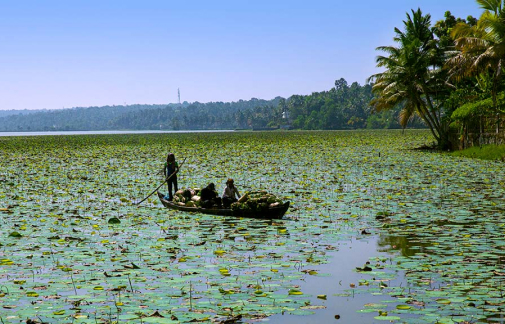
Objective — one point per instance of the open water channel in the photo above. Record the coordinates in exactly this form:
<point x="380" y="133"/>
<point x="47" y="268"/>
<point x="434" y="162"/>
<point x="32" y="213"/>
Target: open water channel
<point x="430" y="226"/>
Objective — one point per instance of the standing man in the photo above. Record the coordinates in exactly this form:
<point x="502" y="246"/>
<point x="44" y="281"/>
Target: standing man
<point x="170" y="170"/>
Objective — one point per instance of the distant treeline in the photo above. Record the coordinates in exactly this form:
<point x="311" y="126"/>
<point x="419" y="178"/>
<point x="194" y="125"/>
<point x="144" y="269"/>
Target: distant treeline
<point x="4" y="113"/>
<point x="342" y="107"/>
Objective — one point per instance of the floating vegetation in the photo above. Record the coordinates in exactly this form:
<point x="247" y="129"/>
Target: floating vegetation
<point x="74" y="247"/>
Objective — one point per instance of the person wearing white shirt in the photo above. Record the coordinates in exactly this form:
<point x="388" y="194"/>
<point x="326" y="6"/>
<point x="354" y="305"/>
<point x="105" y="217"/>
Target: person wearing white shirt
<point x="230" y="193"/>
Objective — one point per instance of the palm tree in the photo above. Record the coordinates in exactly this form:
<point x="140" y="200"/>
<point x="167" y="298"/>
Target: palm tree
<point x="411" y="75"/>
<point x="481" y="48"/>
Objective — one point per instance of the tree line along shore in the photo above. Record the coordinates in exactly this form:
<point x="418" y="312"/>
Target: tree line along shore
<point x="445" y="76"/>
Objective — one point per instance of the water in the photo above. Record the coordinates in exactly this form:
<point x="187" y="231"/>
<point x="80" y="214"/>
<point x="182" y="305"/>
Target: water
<point x="109" y="132"/>
<point x="341" y="268"/>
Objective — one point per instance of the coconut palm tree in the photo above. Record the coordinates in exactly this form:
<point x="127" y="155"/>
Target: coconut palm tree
<point x="480" y="49"/>
<point x="411" y="75"/>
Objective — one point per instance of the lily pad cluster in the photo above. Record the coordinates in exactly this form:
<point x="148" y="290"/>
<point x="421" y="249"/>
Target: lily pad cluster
<point x="76" y="248"/>
<point x="444" y="217"/>
<point x="81" y="250"/>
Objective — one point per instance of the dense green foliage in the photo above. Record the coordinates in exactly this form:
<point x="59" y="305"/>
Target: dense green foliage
<point x="433" y="70"/>
<point x="212" y="115"/>
<point x="4" y="113"/>
<point x="80" y="118"/>
<point x="472" y="109"/>
<point x="342" y="107"/>
<point x="414" y="77"/>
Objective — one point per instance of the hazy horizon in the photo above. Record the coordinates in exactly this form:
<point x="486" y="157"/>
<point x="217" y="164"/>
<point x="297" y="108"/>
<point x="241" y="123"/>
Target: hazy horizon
<point x="59" y="54"/>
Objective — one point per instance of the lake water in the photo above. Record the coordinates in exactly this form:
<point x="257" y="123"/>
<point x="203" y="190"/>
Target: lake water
<point x="436" y="226"/>
<point x="108" y="132"/>
<point x="341" y="268"/>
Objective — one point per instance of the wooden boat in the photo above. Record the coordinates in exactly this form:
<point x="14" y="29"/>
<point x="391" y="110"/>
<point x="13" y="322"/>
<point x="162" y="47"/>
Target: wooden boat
<point x="270" y="213"/>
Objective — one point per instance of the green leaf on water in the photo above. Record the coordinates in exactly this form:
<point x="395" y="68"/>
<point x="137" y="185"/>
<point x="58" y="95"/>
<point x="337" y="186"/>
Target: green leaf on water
<point x="443" y="301"/>
<point x="114" y="220"/>
<point x="15" y="234"/>
<point x="387" y="318"/>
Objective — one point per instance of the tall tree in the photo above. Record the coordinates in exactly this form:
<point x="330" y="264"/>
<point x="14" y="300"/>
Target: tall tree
<point x="481" y="48"/>
<point x="412" y="76"/>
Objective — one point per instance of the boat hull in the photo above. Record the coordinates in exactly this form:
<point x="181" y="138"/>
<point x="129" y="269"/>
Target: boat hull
<point x="270" y="213"/>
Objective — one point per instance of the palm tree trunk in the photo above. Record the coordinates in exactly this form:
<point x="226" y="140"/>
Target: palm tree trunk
<point x="496" y="80"/>
<point x="430" y="105"/>
<point x="428" y="122"/>
<point x="428" y="118"/>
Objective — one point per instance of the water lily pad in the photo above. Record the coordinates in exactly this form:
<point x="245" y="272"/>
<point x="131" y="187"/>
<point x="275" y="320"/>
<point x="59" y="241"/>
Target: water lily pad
<point x="387" y="318"/>
<point x="114" y="220"/>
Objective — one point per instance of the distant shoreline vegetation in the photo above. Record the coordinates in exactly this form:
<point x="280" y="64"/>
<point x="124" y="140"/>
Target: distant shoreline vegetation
<point x="111" y="132"/>
<point x="342" y="107"/>
<point x="446" y="76"/>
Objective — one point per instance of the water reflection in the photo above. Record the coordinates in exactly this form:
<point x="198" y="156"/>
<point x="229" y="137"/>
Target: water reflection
<point x="410" y="245"/>
<point x="407" y="246"/>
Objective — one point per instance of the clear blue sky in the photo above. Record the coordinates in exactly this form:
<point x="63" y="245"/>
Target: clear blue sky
<point x="70" y="53"/>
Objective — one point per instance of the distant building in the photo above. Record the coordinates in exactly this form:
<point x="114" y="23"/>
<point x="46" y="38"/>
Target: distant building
<point x="287" y="120"/>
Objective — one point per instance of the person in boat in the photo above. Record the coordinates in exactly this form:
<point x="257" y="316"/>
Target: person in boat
<point x="170" y="170"/>
<point x="230" y="193"/>
<point x="209" y="197"/>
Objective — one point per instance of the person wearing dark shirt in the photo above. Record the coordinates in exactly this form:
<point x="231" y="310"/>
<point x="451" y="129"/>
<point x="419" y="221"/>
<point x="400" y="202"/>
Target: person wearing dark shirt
<point x="208" y="196"/>
<point x="170" y="170"/>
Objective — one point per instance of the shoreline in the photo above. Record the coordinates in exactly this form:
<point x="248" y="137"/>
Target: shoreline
<point x="109" y="132"/>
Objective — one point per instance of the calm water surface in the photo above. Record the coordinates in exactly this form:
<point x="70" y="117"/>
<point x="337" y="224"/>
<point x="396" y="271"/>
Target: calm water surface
<point x="341" y="267"/>
<point x="107" y="132"/>
<point x="350" y="254"/>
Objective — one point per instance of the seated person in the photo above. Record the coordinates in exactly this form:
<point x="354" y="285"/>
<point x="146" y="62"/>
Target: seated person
<point x="230" y="194"/>
<point x="208" y="197"/>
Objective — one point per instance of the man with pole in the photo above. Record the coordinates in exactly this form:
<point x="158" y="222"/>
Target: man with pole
<point x="170" y="170"/>
<point x="167" y="179"/>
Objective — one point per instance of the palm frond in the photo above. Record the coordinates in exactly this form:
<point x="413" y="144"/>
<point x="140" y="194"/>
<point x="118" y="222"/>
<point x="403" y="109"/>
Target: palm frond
<point x="406" y="115"/>
<point x="491" y="5"/>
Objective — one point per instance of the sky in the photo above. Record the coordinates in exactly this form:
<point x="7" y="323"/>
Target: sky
<point x="63" y="54"/>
